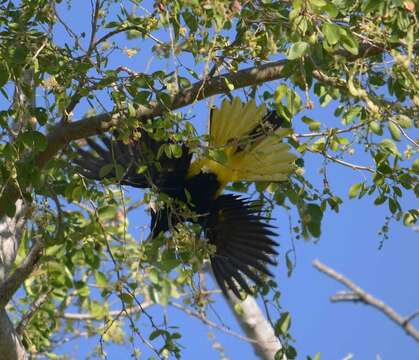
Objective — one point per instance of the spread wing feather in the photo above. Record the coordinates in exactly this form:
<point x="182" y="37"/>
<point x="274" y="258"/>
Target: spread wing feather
<point x="242" y="240"/>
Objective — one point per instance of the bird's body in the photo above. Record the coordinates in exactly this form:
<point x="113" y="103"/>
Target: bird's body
<point x="250" y="139"/>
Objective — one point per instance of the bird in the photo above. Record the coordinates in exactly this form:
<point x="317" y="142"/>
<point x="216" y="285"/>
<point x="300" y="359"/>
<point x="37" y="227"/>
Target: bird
<point x="250" y="141"/>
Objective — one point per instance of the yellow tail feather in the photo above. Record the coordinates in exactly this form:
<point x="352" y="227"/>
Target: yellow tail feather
<point x="264" y="158"/>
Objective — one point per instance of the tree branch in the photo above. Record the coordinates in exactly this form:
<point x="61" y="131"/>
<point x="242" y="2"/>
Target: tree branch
<point x="255" y="326"/>
<point x="64" y="133"/>
<point x="358" y="294"/>
<point x="31" y="312"/>
<point x="211" y="323"/>
<point x="113" y="313"/>
<point x="13" y="282"/>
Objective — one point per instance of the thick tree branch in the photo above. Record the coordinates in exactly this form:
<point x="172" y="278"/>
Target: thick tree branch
<point x="64" y="133"/>
<point x="11" y="230"/>
<point x="13" y="282"/>
<point x="10" y="344"/>
<point x="255" y="326"/>
<point x="358" y="294"/>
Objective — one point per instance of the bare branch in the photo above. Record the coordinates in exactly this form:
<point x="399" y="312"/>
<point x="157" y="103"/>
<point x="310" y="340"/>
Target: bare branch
<point x="342" y="162"/>
<point x="368" y="299"/>
<point x="113" y="313"/>
<point x="412" y="316"/>
<point x="212" y="324"/>
<point x="32" y="311"/>
<point x="405" y="134"/>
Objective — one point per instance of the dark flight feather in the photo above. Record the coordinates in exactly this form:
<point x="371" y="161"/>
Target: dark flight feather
<point x="243" y="245"/>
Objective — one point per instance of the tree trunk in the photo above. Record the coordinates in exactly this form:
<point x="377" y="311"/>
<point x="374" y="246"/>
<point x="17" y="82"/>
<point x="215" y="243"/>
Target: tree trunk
<point x="11" y="347"/>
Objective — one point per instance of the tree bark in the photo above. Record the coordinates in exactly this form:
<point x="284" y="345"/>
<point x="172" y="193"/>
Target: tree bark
<point x="11" y="229"/>
<point x="255" y="326"/>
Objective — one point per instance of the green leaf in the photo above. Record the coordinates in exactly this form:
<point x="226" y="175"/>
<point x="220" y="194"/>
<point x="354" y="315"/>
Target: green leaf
<point x="404" y="121"/>
<point x="312" y="125"/>
<point x="190" y="21"/>
<point x="34" y="140"/>
<point x="290" y="352"/>
<point x="318" y="3"/>
<point x="394" y="131"/>
<point x="389" y="145"/>
<point x="331" y="9"/>
<point x="410" y="218"/>
<point x="283" y="324"/>
<point x="375" y="127"/>
<point x="230" y="86"/>
<point x="176" y="150"/>
<point x="348" y="41"/>
<point x="98" y="310"/>
<point x="155" y="334"/>
<point x="289" y="264"/>
<point x="131" y="110"/>
<point x="280" y="92"/>
<point x="355" y="189"/>
<point x="41" y="115"/>
<point x="371" y="5"/>
<point x="126" y="298"/>
<point x="331" y="32"/>
<point x="19" y="55"/>
<point x="351" y="114"/>
<point x="101" y="279"/>
<point x="297" y="50"/>
<point x="393" y="205"/>
<point x="168" y="261"/>
<point x="218" y="155"/>
<point x="4" y="75"/>
<point x="107" y="212"/>
<point x="294" y="102"/>
<point x="142" y="97"/>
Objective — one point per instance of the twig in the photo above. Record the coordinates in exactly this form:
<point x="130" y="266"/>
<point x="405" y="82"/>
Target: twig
<point x="113" y="313"/>
<point x="405" y="134"/>
<point x="368" y="299"/>
<point x="342" y="162"/>
<point x="125" y="29"/>
<point x="411" y="317"/>
<point x="31" y="312"/>
<point x="336" y="132"/>
<point x="211" y="323"/>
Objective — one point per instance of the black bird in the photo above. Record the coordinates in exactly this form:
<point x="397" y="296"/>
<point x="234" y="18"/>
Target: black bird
<point x="250" y="138"/>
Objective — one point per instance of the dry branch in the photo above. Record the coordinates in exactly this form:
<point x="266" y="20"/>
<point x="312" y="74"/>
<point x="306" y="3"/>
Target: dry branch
<point x="358" y="294"/>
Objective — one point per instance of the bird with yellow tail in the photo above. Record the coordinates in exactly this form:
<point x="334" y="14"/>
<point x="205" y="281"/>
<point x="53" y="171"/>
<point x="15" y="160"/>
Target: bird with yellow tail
<point x="250" y="139"/>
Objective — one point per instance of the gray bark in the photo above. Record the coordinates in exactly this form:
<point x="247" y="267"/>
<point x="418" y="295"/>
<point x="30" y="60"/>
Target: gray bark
<point x="255" y="326"/>
<point x="11" y="230"/>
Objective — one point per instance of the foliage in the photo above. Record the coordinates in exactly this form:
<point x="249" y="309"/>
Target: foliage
<point x="358" y="58"/>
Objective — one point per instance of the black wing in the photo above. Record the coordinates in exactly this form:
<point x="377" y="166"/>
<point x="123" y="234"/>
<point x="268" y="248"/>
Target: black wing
<point x="123" y="157"/>
<point x="243" y="244"/>
<point x="160" y="172"/>
<point x="163" y="173"/>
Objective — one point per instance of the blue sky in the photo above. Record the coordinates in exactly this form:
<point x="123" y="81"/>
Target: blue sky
<point x="349" y="244"/>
